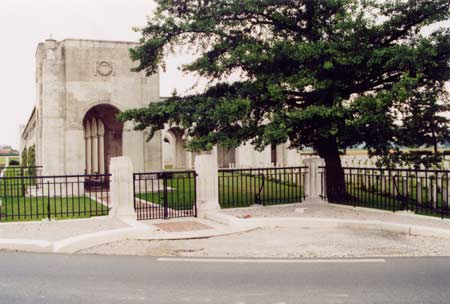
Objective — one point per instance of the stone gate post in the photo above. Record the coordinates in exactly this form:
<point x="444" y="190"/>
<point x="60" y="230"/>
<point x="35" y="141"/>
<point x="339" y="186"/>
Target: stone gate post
<point x="206" y="167"/>
<point x="313" y="178"/>
<point x="122" y="197"/>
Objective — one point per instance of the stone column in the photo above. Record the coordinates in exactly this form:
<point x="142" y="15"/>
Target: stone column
<point x="315" y="177"/>
<point x="94" y="139"/>
<point x="101" y="147"/>
<point x="207" y="182"/>
<point x="122" y="189"/>
<point x="88" y="147"/>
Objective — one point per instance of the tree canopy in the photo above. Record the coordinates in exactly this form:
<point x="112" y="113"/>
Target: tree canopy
<point x="326" y="74"/>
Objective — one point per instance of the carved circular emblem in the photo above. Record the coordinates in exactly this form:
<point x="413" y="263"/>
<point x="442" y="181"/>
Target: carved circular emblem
<point x="104" y="68"/>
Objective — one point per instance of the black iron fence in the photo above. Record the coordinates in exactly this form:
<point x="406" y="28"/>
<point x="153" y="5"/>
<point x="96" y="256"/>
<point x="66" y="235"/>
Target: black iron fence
<point x="26" y="197"/>
<point x="420" y="191"/>
<point x="167" y="194"/>
<point x="264" y="186"/>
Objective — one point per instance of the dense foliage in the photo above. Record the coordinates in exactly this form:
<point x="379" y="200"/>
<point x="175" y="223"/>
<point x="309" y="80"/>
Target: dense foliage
<point x="327" y="74"/>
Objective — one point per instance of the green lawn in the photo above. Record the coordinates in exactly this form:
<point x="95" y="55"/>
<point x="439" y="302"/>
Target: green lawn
<point x="16" y="206"/>
<point x="12" y="183"/>
<point x="238" y="190"/>
<point x="234" y="191"/>
<point x="28" y="209"/>
<point x="180" y="197"/>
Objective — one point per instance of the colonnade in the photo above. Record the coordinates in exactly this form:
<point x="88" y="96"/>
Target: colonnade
<point x="94" y="131"/>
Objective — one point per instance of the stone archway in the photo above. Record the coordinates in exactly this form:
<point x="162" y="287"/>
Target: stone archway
<point x="225" y="157"/>
<point x="168" y="151"/>
<point x="175" y="149"/>
<point x="103" y="138"/>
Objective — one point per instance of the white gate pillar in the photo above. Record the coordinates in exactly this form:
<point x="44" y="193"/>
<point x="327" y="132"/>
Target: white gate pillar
<point x="207" y="182"/>
<point x="313" y="177"/>
<point x="122" y="196"/>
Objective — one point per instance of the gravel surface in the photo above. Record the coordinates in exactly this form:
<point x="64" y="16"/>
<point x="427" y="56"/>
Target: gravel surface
<point x="323" y="210"/>
<point x="287" y="243"/>
<point x="57" y="230"/>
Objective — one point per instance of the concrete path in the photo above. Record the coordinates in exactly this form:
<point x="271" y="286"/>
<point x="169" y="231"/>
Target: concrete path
<point x="70" y="236"/>
<point x="37" y="278"/>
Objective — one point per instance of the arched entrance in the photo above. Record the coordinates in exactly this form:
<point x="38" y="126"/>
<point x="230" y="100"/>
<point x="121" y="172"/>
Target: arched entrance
<point x="168" y="151"/>
<point x="103" y="138"/>
<point x="174" y="148"/>
<point x="225" y="157"/>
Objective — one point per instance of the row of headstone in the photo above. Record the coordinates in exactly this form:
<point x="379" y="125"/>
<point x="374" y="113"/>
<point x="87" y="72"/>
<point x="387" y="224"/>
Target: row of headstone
<point x="420" y="189"/>
<point x="364" y="161"/>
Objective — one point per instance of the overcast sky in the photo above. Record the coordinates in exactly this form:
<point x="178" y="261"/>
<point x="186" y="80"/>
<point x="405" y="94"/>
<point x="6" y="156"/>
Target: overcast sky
<point x="25" y="23"/>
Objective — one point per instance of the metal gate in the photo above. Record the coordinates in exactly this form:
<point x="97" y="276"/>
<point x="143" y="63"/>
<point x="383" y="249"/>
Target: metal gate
<point x="164" y="195"/>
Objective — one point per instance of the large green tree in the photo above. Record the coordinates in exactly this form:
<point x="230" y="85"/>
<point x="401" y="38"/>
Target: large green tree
<point x="327" y="74"/>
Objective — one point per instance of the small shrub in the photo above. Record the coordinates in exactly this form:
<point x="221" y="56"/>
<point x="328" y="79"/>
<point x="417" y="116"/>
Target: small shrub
<point x="14" y="162"/>
<point x="24" y="157"/>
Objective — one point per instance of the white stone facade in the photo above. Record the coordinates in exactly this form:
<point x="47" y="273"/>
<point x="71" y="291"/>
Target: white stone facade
<point x="77" y="77"/>
<point x="245" y="156"/>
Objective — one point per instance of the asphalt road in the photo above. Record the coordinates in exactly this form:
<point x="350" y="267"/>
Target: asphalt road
<point x="42" y="278"/>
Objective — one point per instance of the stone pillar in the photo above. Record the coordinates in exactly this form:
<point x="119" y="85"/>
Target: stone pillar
<point x="101" y="147"/>
<point x="315" y="177"/>
<point x="207" y="182"/>
<point x="122" y="188"/>
<point x="52" y="114"/>
<point x="94" y="139"/>
<point x="88" y="147"/>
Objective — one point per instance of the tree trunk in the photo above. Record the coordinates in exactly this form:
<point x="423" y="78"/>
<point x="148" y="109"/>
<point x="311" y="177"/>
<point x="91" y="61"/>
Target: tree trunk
<point x="334" y="181"/>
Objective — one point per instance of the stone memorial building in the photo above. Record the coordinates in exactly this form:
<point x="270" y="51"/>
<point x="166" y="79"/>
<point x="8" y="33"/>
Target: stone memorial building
<point x="81" y="85"/>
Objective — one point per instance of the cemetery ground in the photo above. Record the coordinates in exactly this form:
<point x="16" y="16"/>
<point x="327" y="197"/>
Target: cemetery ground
<point x="235" y="190"/>
<point x="18" y="205"/>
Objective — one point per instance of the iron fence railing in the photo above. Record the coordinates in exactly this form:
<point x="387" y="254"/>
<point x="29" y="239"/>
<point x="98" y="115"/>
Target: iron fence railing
<point x="264" y="186"/>
<point x="420" y="191"/>
<point x="166" y="194"/>
<point x="26" y="198"/>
